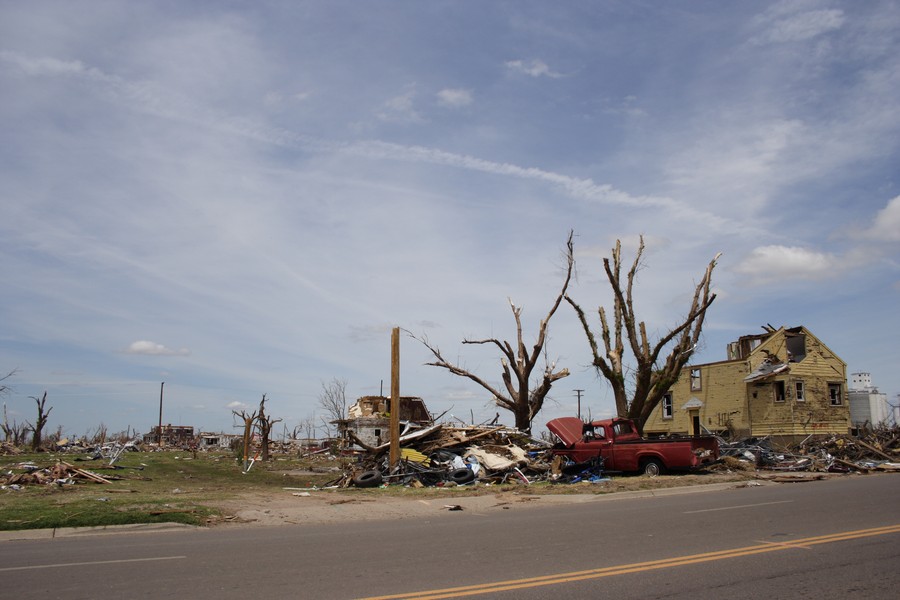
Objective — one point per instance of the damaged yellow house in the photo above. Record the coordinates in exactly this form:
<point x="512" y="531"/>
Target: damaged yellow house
<point x="784" y="383"/>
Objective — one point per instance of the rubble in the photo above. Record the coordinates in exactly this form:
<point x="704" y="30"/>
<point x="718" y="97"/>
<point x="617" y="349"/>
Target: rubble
<point x="875" y="449"/>
<point x="448" y="455"/>
<point x="62" y="473"/>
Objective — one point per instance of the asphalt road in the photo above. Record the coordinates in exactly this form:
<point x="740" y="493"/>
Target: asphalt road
<point x="824" y="539"/>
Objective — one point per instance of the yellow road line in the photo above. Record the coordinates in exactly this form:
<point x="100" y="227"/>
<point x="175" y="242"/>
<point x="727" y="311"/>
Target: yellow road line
<point x="530" y="582"/>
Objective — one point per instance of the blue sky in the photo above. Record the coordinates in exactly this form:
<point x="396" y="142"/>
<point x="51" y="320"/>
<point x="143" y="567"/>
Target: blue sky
<point x="241" y="198"/>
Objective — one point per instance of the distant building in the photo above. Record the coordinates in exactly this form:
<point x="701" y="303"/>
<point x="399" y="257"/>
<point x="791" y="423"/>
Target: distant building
<point x="172" y="435"/>
<point x="217" y="441"/>
<point x="868" y="406"/>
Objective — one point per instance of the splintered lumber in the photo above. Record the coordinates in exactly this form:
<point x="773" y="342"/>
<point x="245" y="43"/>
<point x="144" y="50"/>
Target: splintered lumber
<point x="874" y="449"/>
<point x="85" y="474"/>
<point x="469" y="438"/>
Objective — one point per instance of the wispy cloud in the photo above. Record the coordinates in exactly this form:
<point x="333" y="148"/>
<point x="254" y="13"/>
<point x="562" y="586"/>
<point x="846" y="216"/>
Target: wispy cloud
<point x="886" y="224"/>
<point x="532" y="68"/>
<point x="454" y="98"/>
<point x="149" y="348"/>
<point x="401" y="108"/>
<point x="788" y="22"/>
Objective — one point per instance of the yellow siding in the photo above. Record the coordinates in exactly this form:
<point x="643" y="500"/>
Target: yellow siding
<point x="750" y="409"/>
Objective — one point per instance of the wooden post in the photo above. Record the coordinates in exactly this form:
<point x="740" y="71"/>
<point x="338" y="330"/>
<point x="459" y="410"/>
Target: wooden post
<point x="395" y="397"/>
<point x="159" y="431"/>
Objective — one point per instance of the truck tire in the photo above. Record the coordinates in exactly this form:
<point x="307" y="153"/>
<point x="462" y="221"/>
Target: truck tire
<point x="368" y="479"/>
<point x="651" y="467"/>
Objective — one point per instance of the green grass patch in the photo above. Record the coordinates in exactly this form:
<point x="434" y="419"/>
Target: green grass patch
<point x="152" y="487"/>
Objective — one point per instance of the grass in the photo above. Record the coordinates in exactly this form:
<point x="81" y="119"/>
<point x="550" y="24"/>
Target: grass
<point x="154" y="487"/>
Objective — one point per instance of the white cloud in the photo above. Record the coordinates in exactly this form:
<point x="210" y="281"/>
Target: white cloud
<point x="149" y="348"/>
<point x="454" y="98"/>
<point x="38" y="66"/>
<point x="886" y="225"/>
<point x="401" y="108"/>
<point x="798" y="27"/>
<point x="533" y="68"/>
<point x="774" y="263"/>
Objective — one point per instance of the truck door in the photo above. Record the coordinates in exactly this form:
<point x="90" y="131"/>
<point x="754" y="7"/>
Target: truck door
<point x="595" y="439"/>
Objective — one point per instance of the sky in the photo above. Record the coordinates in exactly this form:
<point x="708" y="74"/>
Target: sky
<point x="245" y="198"/>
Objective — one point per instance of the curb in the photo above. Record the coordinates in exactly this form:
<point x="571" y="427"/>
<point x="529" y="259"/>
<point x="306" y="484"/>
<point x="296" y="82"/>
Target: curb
<point x="64" y="532"/>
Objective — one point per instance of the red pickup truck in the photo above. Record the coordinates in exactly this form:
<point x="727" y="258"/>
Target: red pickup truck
<point x="620" y="446"/>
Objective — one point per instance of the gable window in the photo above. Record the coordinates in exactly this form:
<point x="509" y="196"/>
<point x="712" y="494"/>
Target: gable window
<point x="779" y="391"/>
<point x="667" y="405"/>
<point x="835" y="394"/>
<point x="798" y="387"/>
<point x="796" y="347"/>
<point x="695" y="380"/>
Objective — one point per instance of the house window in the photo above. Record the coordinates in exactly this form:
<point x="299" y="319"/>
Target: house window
<point x="834" y="393"/>
<point x="779" y="391"/>
<point x="798" y="386"/>
<point x="695" y="380"/>
<point x="667" y="406"/>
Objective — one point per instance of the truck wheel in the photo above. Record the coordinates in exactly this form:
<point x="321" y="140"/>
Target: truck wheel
<point x="368" y="479"/>
<point x="653" y="467"/>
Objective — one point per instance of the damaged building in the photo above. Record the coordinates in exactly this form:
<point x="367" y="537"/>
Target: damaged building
<point x="784" y="383"/>
<point x="172" y="435"/>
<point x="369" y="419"/>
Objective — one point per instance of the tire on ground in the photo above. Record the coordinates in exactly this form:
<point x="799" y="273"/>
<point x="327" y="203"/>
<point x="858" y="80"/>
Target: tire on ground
<point x="368" y="479"/>
<point x="462" y="476"/>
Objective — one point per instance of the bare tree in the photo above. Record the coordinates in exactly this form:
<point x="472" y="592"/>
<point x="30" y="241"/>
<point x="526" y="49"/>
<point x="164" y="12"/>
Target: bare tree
<point x="306" y="429"/>
<point x="4" y="389"/>
<point x="14" y="432"/>
<point x="7" y="428"/>
<point x="40" y="422"/>
<point x="333" y="400"/>
<point x="518" y="395"/>
<point x="264" y="424"/>
<point x="10" y="432"/>
<point x="654" y="371"/>
<point x="98" y="438"/>
<point x="248" y="420"/>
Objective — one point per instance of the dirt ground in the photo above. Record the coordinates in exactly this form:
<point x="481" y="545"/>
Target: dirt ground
<point x="298" y="507"/>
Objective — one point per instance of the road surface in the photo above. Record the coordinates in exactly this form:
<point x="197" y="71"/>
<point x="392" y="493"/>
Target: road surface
<point x="837" y="538"/>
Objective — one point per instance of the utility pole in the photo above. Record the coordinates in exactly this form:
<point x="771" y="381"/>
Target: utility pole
<point x="159" y="431"/>
<point x="395" y="397"/>
<point x="579" y="401"/>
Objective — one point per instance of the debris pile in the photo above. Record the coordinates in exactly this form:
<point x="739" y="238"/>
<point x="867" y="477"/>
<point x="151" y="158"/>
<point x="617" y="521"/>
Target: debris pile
<point x="62" y="473"/>
<point x="877" y="449"/>
<point x="9" y="448"/>
<point x="446" y="455"/>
